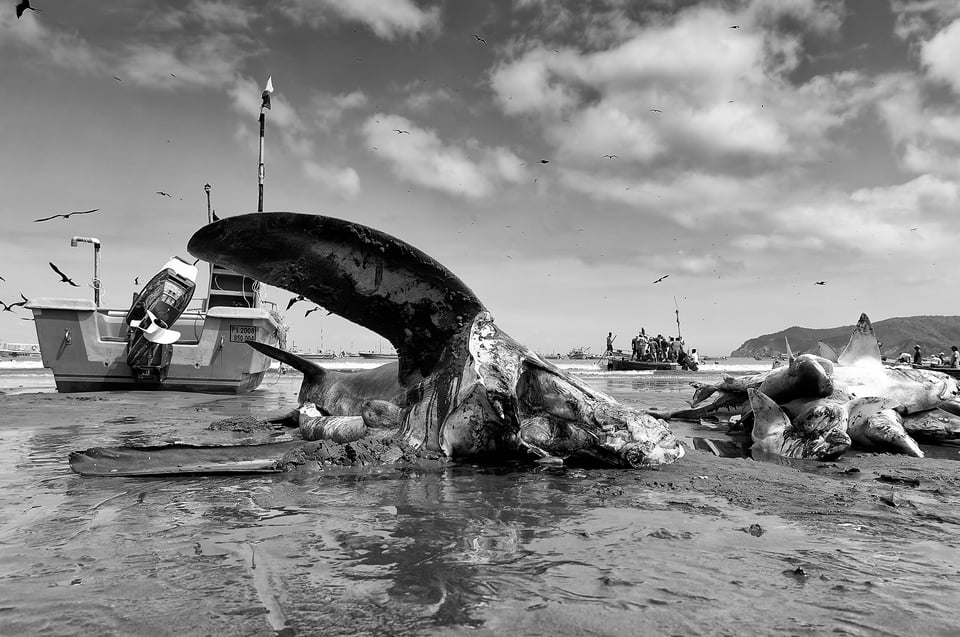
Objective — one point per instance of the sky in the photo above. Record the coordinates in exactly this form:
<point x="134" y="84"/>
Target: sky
<point x="559" y="156"/>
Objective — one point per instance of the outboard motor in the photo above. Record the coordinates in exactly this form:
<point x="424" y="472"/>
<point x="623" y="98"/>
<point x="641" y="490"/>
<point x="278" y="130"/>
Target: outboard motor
<point x="157" y="307"/>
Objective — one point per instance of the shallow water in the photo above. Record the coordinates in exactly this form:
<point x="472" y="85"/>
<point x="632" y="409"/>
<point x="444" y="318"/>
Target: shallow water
<point x="465" y="549"/>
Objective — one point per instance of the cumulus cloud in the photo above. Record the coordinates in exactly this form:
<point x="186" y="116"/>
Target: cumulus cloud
<point x="388" y="19"/>
<point x="344" y="182"/>
<point x="869" y="223"/>
<point x="329" y="109"/>
<point x="420" y="156"/>
<point x="940" y="55"/>
<point x="686" y="88"/>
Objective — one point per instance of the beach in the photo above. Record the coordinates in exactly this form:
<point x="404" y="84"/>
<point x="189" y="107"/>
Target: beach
<point x="710" y="545"/>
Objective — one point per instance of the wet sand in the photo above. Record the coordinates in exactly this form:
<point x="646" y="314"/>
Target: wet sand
<point x="864" y="545"/>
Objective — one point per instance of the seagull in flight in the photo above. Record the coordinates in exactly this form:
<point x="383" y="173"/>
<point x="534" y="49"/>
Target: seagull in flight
<point x="544" y="161"/>
<point x="661" y="278"/>
<point x="655" y="110"/>
<point x="295" y="299"/>
<point x="23" y="6"/>
<point x="735" y="26"/>
<point x="63" y="277"/>
<point x="914" y="228"/>
<point x="819" y="282"/>
<point x="401" y="132"/>
<point x="479" y="39"/>
<point x="67" y="216"/>
<point x="117" y="78"/>
<point x="612" y="156"/>
<point x="8" y="307"/>
<point x="164" y="194"/>
<point x="313" y="309"/>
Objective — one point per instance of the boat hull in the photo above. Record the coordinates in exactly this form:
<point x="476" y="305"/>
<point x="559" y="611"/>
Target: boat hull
<point x="86" y="348"/>
<point x="627" y="365"/>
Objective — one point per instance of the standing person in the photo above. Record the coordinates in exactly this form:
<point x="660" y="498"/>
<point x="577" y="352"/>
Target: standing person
<point x="635" y="348"/>
<point x="694" y="357"/>
<point x="917" y="357"/>
<point x="642" y="346"/>
<point x="610" y="339"/>
<point x="954" y="356"/>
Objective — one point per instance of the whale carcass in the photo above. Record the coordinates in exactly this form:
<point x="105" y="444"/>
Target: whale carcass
<point x="461" y="387"/>
<point x="817" y="398"/>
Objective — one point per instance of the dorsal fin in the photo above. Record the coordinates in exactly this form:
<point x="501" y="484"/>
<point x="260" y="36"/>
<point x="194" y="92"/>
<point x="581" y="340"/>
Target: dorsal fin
<point x="825" y="351"/>
<point x="863" y="349"/>
<point x="362" y="274"/>
<point x="769" y="421"/>
<point x="308" y="368"/>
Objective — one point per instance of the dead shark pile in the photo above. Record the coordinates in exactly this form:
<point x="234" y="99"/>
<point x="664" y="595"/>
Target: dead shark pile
<point x="461" y="387"/>
<point x="819" y="406"/>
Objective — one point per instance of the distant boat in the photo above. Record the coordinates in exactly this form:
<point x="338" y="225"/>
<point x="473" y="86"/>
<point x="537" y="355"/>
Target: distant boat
<point x="378" y="355"/>
<point x="623" y="364"/>
<point x="19" y="351"/>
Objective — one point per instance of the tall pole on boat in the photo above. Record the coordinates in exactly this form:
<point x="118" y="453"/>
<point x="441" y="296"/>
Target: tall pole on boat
<point x="678" y="317"/>
<point x="206" y="189"/>
<point x="264" y="104"/>
<point x="96" y="264"/>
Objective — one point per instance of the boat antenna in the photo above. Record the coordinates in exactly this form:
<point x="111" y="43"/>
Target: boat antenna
<point x="677" y="310"/>
<point x="264" y="104"/>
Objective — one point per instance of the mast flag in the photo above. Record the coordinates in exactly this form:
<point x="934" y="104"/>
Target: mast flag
<point x="268" y="89"/>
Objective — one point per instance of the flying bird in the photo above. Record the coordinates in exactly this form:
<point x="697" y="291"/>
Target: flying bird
<point x="313" y="309"/>
<point x="479" y="39"/>
<point x="820" y="283"/>
<point x="117" y="78"/>
<point x="914" y="228"/>
<point x="136" y="280"/>
<point x="735" y="26"/>
<point x="67" y="216"/>
<point x="295" y="299"/>
<point x="544" y="161"/>
<point x="612" y="156"/>
<point x="163" y="194"/>
<point x="8" y="307"/>
<point x="63" y="277"/>
<point x="23" y="6"/>
<point x="661" y="278"/>
<point x="2" y="279"/>
<point x="401" y="132"/>
<point x="655" y="110"/>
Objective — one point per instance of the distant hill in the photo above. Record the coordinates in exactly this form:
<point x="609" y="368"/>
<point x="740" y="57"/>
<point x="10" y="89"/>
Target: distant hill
<point x="933" y="334"/>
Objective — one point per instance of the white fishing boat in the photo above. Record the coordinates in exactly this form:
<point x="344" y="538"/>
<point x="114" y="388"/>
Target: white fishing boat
<point x="93" y="348"/>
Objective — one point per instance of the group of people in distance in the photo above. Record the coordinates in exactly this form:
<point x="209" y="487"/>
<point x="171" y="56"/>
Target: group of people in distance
<point x="937" y="360"/>
<point x="657" y="348"/>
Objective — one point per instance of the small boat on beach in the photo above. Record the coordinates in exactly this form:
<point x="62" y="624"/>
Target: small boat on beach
<point x="19" y="352"/>
<point x="157" y="343"/>
<point x="383" y="355"/>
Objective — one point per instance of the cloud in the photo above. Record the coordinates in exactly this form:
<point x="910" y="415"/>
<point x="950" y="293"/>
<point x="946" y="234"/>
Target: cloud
<point x="720" y="94"/>
<point x="940" y="54"/>
<point x="328" y="109"/>
<point x="870" y="223"/>
<point x="917" y="19"/>
<point x="419" y="155"/>
<point x="344" y="182"/>
<point x="42" y="43"/>
<point x="211" y="62"/>
<point x="216" y="14"/>
<point x="388" y="19"/>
